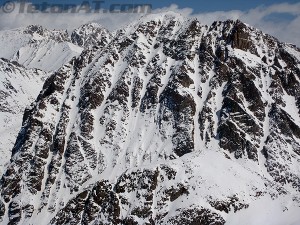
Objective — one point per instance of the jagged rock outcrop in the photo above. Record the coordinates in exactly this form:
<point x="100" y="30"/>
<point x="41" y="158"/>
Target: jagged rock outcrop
<point x="91" y="35"/>
<point x="157" y="125"/>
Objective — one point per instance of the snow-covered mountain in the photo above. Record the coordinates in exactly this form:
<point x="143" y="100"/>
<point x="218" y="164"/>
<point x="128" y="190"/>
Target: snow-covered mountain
<point x="34" y="47"/>
<point x="166" y="121"/>
<point x="91" y="35"/>
<point x="19" y="87"/>
<point x="37" y="47"/>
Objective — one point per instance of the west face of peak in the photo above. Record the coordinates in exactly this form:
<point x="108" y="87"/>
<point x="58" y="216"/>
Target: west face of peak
<point x="164" y="114"/>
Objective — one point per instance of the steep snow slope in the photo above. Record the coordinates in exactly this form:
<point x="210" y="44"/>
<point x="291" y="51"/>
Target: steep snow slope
<point x="267" y="211"/>
<point x="171" y="122"/>
<point x="37" y="47"/>
<point x="19" y="87"/>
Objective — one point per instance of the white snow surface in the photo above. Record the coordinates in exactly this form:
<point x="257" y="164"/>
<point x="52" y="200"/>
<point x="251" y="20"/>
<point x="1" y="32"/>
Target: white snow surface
<point x="37" y="51"/>
<point x="19" y="87"/>
<point x="206" y="171"/>
<point x="267" y="211"/>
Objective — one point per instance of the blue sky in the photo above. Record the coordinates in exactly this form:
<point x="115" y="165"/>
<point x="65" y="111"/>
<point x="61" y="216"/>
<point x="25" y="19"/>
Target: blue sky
<point x="214" y="5"/>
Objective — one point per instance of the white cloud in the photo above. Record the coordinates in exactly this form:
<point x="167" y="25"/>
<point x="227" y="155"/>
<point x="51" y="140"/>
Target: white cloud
<point x="67" y="21"/>
<point x="287" y="30"/>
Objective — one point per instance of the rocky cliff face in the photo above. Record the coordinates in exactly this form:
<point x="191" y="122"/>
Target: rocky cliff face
<point x="91" y="35"/>
<point x="165" y="122"/>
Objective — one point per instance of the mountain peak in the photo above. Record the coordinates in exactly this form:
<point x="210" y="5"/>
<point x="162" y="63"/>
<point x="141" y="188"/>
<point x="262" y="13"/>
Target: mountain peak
<point x="57" y="35"/>
<point x="164" y="114"/>
<point x="91" y="34"/>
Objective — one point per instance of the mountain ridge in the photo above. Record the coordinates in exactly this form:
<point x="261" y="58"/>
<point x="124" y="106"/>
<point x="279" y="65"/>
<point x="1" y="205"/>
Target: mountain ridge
<point x="119" y="134"/>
